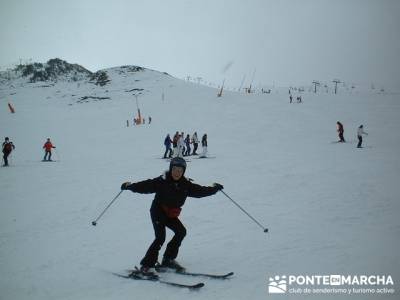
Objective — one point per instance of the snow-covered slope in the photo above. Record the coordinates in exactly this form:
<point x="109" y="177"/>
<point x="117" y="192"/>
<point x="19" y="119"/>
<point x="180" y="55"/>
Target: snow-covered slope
<point x="330" y="208"/>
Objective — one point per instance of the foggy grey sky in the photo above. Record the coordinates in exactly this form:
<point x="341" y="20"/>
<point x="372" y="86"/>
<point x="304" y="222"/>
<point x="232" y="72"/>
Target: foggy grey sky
<point x="285" y="41"/>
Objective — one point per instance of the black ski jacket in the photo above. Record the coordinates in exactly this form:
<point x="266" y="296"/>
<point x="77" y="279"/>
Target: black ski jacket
<point x="171" y="193"/>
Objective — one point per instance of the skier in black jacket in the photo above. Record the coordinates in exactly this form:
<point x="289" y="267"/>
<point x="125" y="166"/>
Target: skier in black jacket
<point x="8" y="147"/>
<point x="340" y="130"/>
<point x="171" y="190"/>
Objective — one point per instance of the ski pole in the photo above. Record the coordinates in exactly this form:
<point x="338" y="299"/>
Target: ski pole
<point x="242" y="209"/>
<point x="94" y="223"/>
<point x="58" y="155"/>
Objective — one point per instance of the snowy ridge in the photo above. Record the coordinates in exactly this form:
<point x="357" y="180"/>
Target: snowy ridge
<point x="330" y="208"/>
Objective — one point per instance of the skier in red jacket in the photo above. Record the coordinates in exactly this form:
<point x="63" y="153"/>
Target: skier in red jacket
<point x="47" y="146"/>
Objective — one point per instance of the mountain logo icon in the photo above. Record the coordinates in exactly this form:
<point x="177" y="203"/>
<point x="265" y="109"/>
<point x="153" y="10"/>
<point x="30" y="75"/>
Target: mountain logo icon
<point x="277" y="285"/>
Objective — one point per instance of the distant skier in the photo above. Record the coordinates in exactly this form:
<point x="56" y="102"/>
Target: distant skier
<point x="187" y="143"/>
<point x="195" y="141"/>
<point x="171" y="190"/>
<point x="204" y="145"/>
<point x="167" y="144"/>
<point x="8" y="147"/>
<point x="360" y="132"/>
<point x="47" y="148"/>
<point x="175" y="144"/>
<point x="290" y="98"/>
<point x="181" y="145"/>
<point x="340" y="130"/>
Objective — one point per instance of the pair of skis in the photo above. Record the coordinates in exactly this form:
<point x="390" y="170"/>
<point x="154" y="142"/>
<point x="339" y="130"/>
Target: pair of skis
<point x="137" y="275"/>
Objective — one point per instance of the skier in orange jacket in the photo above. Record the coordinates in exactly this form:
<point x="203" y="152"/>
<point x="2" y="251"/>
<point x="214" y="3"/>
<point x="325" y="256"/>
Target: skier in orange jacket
<point x="48" y="146"/>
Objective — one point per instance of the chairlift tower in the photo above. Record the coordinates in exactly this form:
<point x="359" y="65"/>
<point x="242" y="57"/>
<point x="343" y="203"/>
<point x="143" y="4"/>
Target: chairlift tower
<point x="315" y="83"/>
<point x="336" y="81"/>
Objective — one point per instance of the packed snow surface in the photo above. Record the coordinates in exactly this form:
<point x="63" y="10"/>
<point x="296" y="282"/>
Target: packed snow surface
<point x="330" y="208"/>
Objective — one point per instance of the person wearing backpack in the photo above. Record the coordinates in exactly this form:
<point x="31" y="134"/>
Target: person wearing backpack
<point x="8" y="147"/>
<point x="47" y="146"/>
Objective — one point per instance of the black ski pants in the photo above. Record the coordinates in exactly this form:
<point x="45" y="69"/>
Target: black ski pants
<point x="187" y="152"/>
<point x="341" y="137"/>
<point x="359" y="141"/>
<point x="160" y="222"/>
<point x="47" y="154"/>
<point x="195" y="146"/>
<point x="5" y="158"/>
<point x="168" y="151"/>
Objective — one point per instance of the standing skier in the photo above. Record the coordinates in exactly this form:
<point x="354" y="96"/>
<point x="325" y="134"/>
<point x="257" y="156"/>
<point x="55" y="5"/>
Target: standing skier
<point x="167" y="144"/>
<point x="340" y="130"/>
<point x="360" y="132"/>
<point x="187" y="143"/>
<point x="204" y="145"/>
<point x="171" y="190"/>
<point x="47" y="147"/>
<point x="181" y="145"/>
<point x="175" y="144"/>
<point x="8" y="147"/>
<point x="195" y="141"/>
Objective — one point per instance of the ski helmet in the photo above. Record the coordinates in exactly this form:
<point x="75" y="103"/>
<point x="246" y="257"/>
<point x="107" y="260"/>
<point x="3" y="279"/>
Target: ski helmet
<point x="177" y="162"/>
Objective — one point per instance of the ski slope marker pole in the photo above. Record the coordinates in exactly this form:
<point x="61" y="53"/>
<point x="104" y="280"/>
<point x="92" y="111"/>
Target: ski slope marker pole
<point x="94" y="223"/>
<point x="243" y="210"/>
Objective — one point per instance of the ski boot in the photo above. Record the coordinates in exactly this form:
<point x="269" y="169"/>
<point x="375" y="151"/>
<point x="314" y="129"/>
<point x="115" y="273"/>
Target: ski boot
<point x="144" y="273"/>
<point x="172" y="264"/>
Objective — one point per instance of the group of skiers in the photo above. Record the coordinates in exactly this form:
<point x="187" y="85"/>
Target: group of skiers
<point x="360" y="132"/>
<point x="298" y="99"/>
<point x="137" y="121"/>
<point x="179" y="145"/>
<point x="8" y="147"/>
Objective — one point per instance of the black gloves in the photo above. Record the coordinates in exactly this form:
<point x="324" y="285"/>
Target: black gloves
<point x="125" y="185"/>
<point x="218" y="186"/>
